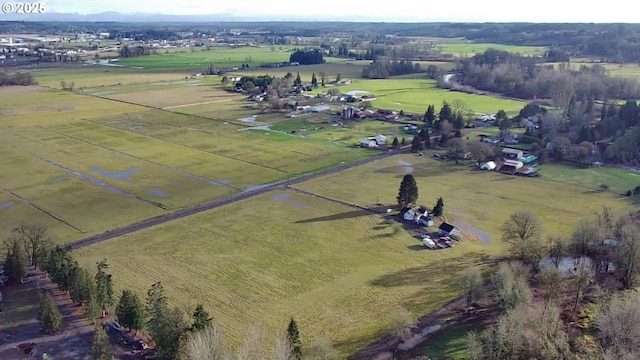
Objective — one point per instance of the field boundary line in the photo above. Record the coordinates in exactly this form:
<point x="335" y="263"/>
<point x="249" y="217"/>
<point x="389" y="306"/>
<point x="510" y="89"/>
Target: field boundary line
<point x="335" y="201"/>
<point x="195" y="104"/>
<point x="180" y="171"/>
<point x="29" y="203"/>
<point x="161" y="219"/>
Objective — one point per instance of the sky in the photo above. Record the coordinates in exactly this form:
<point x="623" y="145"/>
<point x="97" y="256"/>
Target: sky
<point x="627" y="11"/>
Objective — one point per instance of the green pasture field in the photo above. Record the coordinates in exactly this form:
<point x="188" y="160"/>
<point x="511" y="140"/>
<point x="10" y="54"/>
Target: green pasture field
<point x="96" y="76"/>
<point x="199" y="60"/>
<point x="415" y="95"/>
<point x="470" y="49"/>
<point x="30" y="105"/>
<point x="485" y="199"/>
<point x="85" y="206"/>
<point x="335" y="269"/>
<point x="261" y="157"/>
<point x="630" y="71"/>
<point x="347" y="70"/>
<point x="73" y="146"/>
<point x="619" y="180"/>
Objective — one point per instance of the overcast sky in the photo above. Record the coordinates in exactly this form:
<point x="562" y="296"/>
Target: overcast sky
<point x="390" y="10"/>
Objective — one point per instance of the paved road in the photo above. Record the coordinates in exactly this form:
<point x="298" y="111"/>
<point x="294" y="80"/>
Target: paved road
<point x="220" y="202"/>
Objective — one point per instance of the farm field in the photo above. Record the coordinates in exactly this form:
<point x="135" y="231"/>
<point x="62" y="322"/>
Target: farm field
<point x="485" y="199"/>
<point x="70" y="206"/>
<point x="348" y="70"/>
<point x="619" y="180"/>
<point x="470" y="49"/>
<point x="96" y="76"/>
<point x="349" y="135"/>
<point x="335" y="269"/>
<point x="199" y="60"/>
<point x="172" y="95"/>
<point x="414" y="96"/>
<point x="34" y="104"/>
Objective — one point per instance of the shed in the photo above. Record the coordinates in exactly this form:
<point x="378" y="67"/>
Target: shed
<point x="512" y="153"/>
<point x="446" y="229"/>
<point x="513" y="163"/>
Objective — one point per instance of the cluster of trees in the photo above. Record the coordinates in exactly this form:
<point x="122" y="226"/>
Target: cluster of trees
<point x="136" y="50"/>
<point x="254" y="83"/>
<point x="517" y="76"/>
<point x="307" y="57"/>
<point x="541" y="329"/>
<point x="22" y="78"/>
<point x="383" y="68"/>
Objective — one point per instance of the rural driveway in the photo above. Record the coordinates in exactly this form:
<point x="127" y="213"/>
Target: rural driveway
<point x="77" y="244"/>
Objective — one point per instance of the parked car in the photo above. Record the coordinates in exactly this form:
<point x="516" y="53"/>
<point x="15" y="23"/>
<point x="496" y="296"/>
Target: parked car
<point x="445" y="242"/>
<point x="428" y="242"/>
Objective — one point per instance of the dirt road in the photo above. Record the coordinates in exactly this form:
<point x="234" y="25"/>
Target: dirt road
<point x="219" y="202"/>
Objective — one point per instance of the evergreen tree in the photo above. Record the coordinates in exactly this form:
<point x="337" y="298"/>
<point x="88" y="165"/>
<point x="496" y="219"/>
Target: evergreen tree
<point x="445" y="112"/>
<point x="201" y="318"/>
<point x="297" y="81"/>
<point x="408" y="193"/>
<point x="416" y="144"/>
<point x="395" y="144"/>
<point x="129" y="311"/>
<point x="430" y="115"/>
<point x="603" y="111"/>
<point x="104" y="287"/>
<point x="439" y="208"/>
<point x="314" y="80"/>
<point x="166" y="327"/>
<point x="101" y="348"/>
<point x="50" y="317"/>
<point x="425" y="137"/>
<point x="294" y="337"/>
<point x="443" y="140"/>
<point x="338" y="78"/>
<point x="14" y="265"/>
<point x="403" y="141"/>
<point x="82" y="285"/>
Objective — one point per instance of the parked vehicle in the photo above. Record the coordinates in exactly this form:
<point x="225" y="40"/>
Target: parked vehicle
<point x="445" y="242"/>
<point x="428" y="242"/>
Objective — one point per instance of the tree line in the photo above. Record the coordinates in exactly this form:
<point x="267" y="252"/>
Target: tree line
<point x="522" y="77"/>
<point x="383" y="68"/>
<point x="307" y="57"/>
<point x="21" y="78"/>
<point x="551" y="323"/>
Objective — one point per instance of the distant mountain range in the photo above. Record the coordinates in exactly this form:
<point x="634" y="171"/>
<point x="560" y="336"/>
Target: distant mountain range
<point x="148" y="17"/>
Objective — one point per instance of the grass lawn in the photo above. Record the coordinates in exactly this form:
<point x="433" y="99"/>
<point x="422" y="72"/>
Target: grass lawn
<point x="619" y="180"/>
<point x="470" y="49"/>
<point x="199" y="60"/>
<point x="349" y="134"/>
<point x="485" y="199"/>
<point x="338" y="271"/>
<point x="414" y="96"/>
<point x="631" y="71"/>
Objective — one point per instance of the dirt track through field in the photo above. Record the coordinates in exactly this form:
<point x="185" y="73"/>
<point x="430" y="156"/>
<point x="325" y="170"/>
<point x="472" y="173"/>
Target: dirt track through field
<point x="220" y="202"/>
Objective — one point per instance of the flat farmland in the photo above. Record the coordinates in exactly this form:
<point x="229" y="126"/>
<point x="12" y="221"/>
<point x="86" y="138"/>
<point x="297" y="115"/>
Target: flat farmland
<point x="34" y="104"/>
<point x="346" y="71"/>
<point x="95" y="76"/>
<point x="485" y="199"/>
<point x="335" y="269"/>
<point x="470" y="49"/>
<point x="51" y="196"/>
<point x="349" y="134"/>
<point x="134" y="177"/>
<point x="251" y="157"/>
<point x="199" y="60"/>
<point x="414" y="96"/>
<point x="155" y="95"/>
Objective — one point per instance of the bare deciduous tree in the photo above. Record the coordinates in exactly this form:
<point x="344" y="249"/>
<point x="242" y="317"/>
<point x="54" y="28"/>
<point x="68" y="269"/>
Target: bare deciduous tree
<point x="523" y="231"/>
<point x="618" y="326"/>
<point x="208" y="344"/>
<point x="252" y="347"/>
<point x="628" y="253"/>
<point x="558" y="248"/>
<point x="481" y="151"/>
<point x="584" y="278"/>
<point x="471" y="285"/>
<point x="282" y="348"/>
<point x="510" y="285"/>
<point x="402" y="321"/>
<point x="550" y="280"/>
<point x="586" y="231"/>
<point x="34" y="238"/>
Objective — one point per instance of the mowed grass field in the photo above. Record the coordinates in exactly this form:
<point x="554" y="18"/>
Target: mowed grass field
<point x="485" y="199"/>
<point x="414" y="96"/>
<point x="619" y="180"/>
<point x="337" y="270"/>
<point x="470" y="49"/>
<point x="347" y="70"/>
